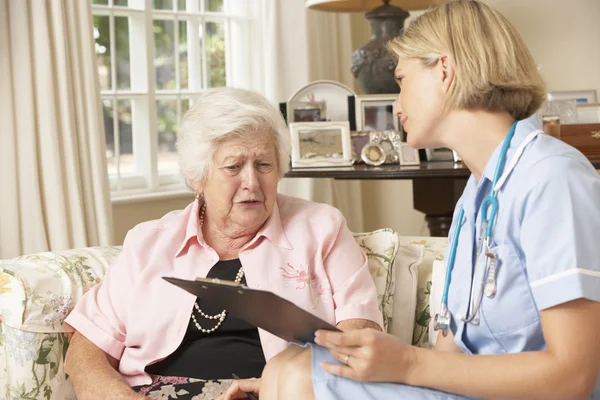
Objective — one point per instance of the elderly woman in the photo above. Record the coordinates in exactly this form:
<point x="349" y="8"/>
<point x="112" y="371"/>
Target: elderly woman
<point x="136" y="334"/>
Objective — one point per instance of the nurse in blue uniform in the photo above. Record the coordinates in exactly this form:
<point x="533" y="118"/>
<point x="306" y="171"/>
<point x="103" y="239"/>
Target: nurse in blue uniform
<point x="520" y="317"/>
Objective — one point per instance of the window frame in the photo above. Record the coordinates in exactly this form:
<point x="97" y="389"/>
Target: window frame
<point x="143" y="93"/>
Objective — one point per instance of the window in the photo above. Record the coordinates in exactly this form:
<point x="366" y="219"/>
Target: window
<point x="153" y="58"/>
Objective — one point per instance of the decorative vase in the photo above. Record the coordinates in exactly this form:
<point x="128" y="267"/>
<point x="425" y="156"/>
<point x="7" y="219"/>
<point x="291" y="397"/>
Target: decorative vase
<point x="372" y="64"/>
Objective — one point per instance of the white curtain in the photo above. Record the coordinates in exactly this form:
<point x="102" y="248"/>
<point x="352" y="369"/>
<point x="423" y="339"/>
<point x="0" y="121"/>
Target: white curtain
<point x="297" y="46"/>
<point x="53" y="177"/>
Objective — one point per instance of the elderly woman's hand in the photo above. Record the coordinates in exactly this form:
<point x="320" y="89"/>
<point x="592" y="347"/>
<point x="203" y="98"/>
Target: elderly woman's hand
<point x="239" y="388"/>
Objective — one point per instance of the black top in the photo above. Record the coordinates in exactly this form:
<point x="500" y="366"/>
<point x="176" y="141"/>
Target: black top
<point x="233" y="348"/>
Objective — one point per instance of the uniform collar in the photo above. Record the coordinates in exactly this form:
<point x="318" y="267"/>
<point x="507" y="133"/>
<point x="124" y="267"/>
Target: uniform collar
<point x="523" y="128"/>
<point x="272" y="229"/>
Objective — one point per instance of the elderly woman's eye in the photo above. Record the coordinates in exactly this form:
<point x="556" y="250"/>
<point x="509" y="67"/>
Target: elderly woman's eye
<point x="232" y="167"/>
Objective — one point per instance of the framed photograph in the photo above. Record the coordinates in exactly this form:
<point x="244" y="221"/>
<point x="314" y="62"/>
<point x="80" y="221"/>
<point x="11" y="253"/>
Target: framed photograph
<point x="407" y="155"/>
<point x="389" y="141"/>
<point x="332" y="93"/>
<point x="359" y="139"/>
<point x="321" y="144"/>
<point x="588" y="113"/>
<point x="373" y="154"/>
<point x="307" y="111"/>
<point x="440" y="154"/>
<point x="580" y="96"/>
<point x="375" y="112"/>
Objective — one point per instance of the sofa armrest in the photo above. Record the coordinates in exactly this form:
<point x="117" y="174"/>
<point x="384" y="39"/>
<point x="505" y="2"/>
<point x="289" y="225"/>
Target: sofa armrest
<point x="38" y="291"/>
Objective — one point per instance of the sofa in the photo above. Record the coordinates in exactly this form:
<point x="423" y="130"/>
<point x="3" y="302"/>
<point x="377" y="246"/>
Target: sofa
<point x="38" y="291"/>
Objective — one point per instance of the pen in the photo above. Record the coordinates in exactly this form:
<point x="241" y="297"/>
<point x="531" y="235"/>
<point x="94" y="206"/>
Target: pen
<point x="251" y="396"/>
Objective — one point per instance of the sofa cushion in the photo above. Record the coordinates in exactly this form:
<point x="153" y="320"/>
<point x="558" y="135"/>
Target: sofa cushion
<point x="434" y="249"/>
<point x="38" y="291"/>
<point x="408" y="260"/>
<point x="381" y="248"/>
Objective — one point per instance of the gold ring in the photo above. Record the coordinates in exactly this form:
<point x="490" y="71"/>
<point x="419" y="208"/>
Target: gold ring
<point x="346" y="359"/>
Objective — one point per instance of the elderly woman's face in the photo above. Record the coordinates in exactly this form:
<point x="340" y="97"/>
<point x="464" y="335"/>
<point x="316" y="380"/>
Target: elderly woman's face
<point x="241" y="185"/>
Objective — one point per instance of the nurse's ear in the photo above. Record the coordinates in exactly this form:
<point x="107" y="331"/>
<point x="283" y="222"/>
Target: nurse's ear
<point x="445" y="68"/>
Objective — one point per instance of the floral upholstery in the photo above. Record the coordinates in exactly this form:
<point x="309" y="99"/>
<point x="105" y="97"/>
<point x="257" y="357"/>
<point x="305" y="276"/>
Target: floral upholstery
<point x="381" y="247"/>
<point x="38" y="291"/>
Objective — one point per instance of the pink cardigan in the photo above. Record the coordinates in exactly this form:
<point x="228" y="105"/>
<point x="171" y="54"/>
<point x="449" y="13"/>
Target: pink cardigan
<point x="304" y="253"/>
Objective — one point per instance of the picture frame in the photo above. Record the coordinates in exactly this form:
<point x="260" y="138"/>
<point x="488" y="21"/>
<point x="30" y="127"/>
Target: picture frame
<point x="588" y="113"/>
<point x="580" y="96"/>
<point x="359" y="139"/>
<point x="373" y="154"/>
<point x="321" y="144"/>
<point x="407" y="155"/>
<point x="375" y="112"/>
<point x="439" y="154"/>
<point x="389" y="142"/>
<point x="306" y="111"/>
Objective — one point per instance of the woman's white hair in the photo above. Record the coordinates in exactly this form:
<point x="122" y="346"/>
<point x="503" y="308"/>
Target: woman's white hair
<point x="220" y="113"/>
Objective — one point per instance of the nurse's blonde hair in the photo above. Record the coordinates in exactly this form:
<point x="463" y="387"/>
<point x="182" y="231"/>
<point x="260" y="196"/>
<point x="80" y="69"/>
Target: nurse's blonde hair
<point x="493" y="69"/>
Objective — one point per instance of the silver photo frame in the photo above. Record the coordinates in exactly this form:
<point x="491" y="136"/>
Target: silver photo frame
<point x="389" y="141"/>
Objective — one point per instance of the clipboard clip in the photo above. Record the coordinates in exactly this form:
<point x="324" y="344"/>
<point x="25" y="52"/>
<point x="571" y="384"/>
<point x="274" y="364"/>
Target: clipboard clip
<point x="217" y="281"/>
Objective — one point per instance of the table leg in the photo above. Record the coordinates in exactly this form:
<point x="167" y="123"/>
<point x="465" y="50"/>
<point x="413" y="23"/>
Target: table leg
<point x="437" y="197"/>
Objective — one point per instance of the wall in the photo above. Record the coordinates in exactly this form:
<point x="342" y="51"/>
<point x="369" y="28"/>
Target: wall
<point x="127" y="214"/>
<point x="564" y="39"/>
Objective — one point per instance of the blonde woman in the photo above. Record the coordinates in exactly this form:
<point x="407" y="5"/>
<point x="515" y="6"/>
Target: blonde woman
<point x="524" y="301"/>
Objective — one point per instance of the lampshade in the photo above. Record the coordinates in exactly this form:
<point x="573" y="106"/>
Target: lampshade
<point x="367" y="5"/>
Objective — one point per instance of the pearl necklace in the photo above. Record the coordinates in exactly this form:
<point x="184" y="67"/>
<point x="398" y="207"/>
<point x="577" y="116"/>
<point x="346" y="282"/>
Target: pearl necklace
<point x="221" y="316"/>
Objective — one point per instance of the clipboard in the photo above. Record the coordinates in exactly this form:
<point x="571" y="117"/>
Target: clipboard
<point x="260" y="308"/>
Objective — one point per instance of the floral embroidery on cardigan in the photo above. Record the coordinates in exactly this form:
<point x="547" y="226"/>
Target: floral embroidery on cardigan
<point x="303" y="278"/>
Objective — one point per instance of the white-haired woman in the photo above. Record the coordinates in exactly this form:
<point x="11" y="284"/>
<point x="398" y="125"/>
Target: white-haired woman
<point x="138" y="335"/>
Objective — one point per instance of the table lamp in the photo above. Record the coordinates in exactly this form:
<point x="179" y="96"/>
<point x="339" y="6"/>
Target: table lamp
<point x="372" y="65"/>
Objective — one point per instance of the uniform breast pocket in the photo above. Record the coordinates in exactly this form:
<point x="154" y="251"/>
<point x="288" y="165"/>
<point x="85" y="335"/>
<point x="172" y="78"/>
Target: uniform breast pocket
<point x="511" y="315"/>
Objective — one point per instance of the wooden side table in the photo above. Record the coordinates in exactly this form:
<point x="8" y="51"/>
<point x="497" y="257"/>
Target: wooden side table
<point x="437" y="185"/>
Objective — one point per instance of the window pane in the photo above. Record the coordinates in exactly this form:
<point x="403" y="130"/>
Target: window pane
<point x="126" y="160"/>
<point x="122" y="3"/>
<point x="166" y="113"/>
<point x="214" y="5"/>
<point x="122" y="49"/>
<point x="162" y="4"/>
<point x="185" y="105"/>
<point x="101" y="2"/>
<point x="215" y="49"/>
<point x="181" y="5"/>
<point x="183" y="55"/>
<point x="109" y="134"/>
<point x="102" y="39"/>
<point x="164" y="59"/>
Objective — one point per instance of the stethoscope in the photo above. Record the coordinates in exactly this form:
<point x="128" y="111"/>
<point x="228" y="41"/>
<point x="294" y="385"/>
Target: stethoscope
<point x="489" y="211"/>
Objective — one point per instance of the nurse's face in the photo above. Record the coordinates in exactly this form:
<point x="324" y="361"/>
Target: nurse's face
<point x="422" y="94"/>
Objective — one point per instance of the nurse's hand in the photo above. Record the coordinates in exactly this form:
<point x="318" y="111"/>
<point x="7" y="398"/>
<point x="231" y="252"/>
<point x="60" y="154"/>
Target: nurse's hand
<point x="373" y="356"/>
